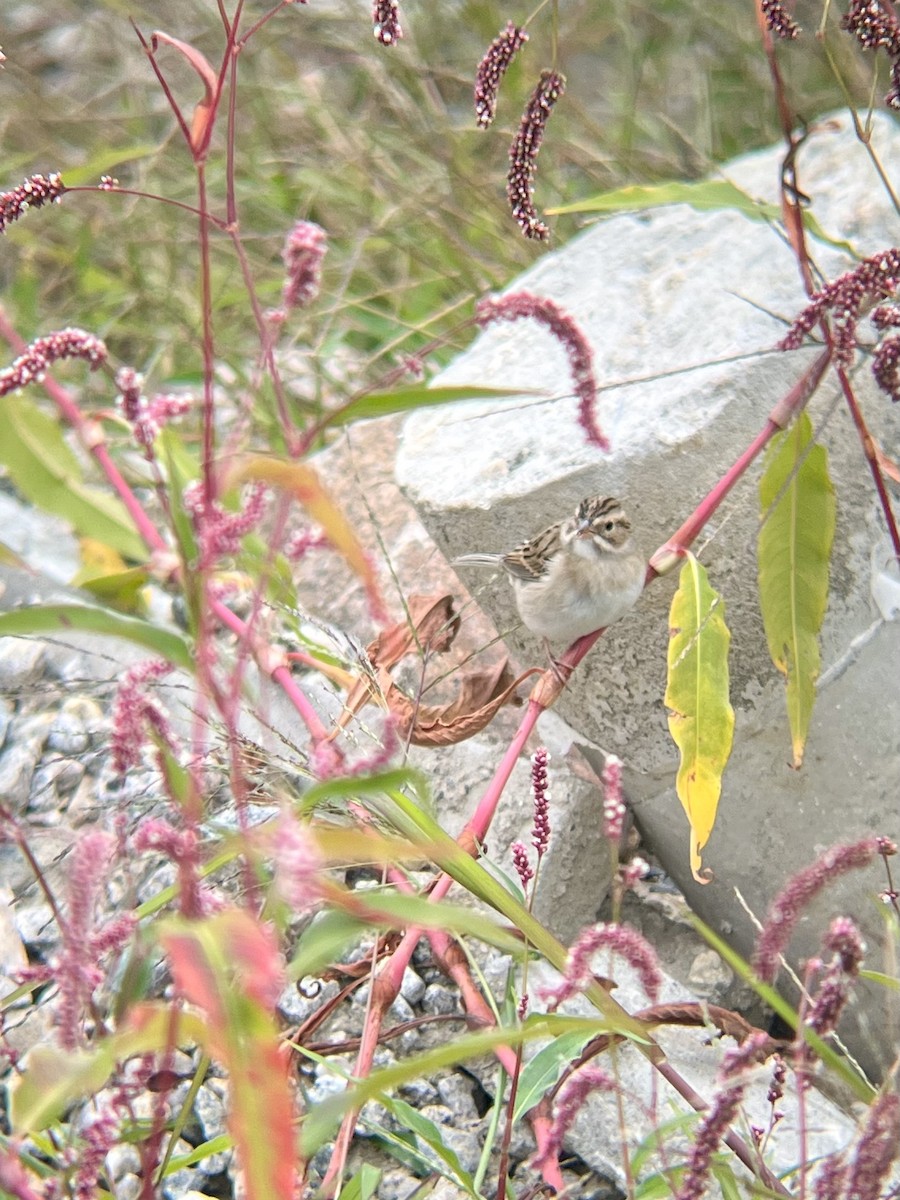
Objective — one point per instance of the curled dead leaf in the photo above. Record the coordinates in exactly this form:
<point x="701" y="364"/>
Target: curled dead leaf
<point x="200" y="64"/>
<point x="432" y="625"/>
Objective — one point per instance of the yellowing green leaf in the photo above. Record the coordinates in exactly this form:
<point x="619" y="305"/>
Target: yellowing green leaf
<point x="798" y="510"/>
<point x="701" y="719"/>
<point x="300" y="480"/>
<point x="46" y="472"/>
<point x="54" y="1077"/>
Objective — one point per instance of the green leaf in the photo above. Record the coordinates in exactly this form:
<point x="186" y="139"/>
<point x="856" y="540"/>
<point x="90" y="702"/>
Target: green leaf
<point x="542" y="1072"/>
<point x="323" y="941"/>
<point x="63" y="618"/>
<point x="48" y="474"/>
<point x="55" y="1078"/>
<point x="321" y="1120"/>
<point x="363" y="1185"/>
<point x="429" y="1134"/>
<point x="104" y="162"/>
<point x="701" y="719"/>
<point x="365" y="785"/>
<point x="205" y="1150"/>
<point x="889" y="981"/>
<point x="798" y="510"/>
<point x="122" y="590"/>
<point x="382" y="404"/>
<point x="394" y="910"/>
<point x="704" y="195"/>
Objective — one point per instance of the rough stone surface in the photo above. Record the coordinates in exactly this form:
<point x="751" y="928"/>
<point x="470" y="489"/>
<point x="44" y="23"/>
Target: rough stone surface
<point x="684" y="310"/>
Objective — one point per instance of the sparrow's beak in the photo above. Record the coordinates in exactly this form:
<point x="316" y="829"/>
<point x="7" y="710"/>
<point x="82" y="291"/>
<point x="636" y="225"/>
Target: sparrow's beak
<point x="583" y="529"/>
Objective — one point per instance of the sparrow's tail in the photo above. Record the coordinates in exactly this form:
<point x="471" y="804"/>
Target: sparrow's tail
<point x="477" y="560"/>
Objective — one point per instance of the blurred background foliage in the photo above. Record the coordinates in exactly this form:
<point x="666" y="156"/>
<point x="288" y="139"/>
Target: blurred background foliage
<point x="376" y="144"/>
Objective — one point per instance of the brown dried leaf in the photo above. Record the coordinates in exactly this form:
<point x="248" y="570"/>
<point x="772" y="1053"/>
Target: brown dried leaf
<point x="481" y="695"/>
<point x="432" y="625"/>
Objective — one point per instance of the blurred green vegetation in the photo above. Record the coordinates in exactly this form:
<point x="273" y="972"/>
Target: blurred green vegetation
<point x="376" y="144"/>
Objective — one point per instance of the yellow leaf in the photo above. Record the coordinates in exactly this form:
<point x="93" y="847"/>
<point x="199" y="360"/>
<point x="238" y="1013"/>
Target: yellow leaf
<point x="701" y="719"/>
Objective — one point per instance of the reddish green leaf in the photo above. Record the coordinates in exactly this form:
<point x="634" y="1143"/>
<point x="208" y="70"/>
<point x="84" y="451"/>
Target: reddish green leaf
<point x="228" y="965"/>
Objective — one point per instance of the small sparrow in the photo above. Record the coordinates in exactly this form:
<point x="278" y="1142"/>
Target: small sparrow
<point x="577" y="576"/>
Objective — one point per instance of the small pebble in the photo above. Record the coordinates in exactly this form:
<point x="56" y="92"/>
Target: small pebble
<point x="21" y="664"/>
<point x="68" y="735"/>
<point x="439" y="999"/>
<point x="412" y="986"/>
<point x="128" y="1187"/>
<point x="6" y="715"/>
<point x="17" y="766"/>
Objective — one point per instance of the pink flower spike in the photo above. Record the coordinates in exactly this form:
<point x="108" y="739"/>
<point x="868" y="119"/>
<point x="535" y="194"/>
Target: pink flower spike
<point x="33" y="193"/>
<point x="517" y="305"/>
<point x="302" y="256"/>
<point x="733" y="1079"/>
<point x="799" y="891"/>
<point x="846" y="298"/>
<point x="496" y="62"/>
<point x="613" y="804"/>
<point x="77" y="971"/>
<point x="877" y="1148"/>
<point x="297" y="864"/>
<point x="779" y="20"/>
<point x="572" y="1099"/>
<point x="621" y="940"/>
<point x="540" y="834"/>
<point x="134" y="711"/>
<point x="43" y="352"/>
<point x="386" y="22"/>
<point x="524" y="151"/>
<point x="522" y="865"/>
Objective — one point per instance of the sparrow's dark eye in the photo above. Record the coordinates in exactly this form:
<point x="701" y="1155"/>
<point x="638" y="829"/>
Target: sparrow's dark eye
<point x="609" y="526"/>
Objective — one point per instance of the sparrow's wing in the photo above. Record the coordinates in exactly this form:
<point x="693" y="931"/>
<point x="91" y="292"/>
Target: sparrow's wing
<point x="529" y="561"/>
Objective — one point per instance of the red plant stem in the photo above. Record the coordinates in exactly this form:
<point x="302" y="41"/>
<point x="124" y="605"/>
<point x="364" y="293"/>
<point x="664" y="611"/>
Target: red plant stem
<point x="209" y="429"/>
<point x="779" y="418"/>
<point x="294" y="444"/>
<point x="871" y="457"/>
<point x="735" y="1143"/>
<point x="797" y="235"/>
<point x="277" y="670"/>
<point x="481" y="819"/>
<point x="385" y="986"/>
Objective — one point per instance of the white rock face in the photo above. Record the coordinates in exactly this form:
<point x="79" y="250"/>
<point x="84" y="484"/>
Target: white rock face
<point x="684" y="309"/>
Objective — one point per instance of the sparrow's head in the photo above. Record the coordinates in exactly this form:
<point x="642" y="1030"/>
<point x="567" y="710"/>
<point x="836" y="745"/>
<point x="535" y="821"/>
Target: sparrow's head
<point x="600" y="522"/>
